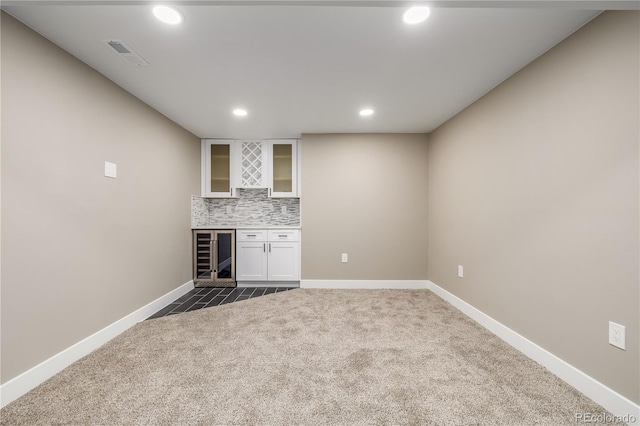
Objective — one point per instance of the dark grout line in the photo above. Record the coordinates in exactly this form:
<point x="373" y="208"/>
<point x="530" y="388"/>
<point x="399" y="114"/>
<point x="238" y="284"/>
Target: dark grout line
<point x="247" y="291"/>
<point x="215" y="301"/>
<point x="258" y="292"/>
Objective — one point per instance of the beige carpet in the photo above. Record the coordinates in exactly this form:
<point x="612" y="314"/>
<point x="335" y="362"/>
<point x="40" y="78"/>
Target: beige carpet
<point x="306" y="357"/>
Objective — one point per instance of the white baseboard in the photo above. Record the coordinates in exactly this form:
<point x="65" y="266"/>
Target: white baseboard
<point x="365" y="284"/>
<point x="252" y="284"/>
<point x="18" y="386"/>
<point x="612" y="401"/>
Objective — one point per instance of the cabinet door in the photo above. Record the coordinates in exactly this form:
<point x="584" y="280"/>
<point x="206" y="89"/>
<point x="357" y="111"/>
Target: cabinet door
<point x="283" y="261"/>
<point x="251" y="261"/>
<point x="283" y="170"/>
<point x="253" y="164"/>
<point x="218" y="160"/>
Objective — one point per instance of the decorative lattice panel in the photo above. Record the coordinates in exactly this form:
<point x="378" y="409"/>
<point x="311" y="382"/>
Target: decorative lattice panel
<point x="251" y="164"/>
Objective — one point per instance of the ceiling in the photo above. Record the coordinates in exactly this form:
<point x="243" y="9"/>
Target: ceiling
<point x="305" y="69"/>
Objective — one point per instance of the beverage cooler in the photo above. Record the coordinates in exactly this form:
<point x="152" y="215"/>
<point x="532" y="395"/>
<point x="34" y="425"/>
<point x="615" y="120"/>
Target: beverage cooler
<point x="214" y="258"/>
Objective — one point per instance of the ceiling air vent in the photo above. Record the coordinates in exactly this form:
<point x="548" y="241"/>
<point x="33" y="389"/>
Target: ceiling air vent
<point x="125" y="52"/>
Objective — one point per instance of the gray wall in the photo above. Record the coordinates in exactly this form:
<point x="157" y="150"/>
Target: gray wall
<point x="534" y="190"/>
<point x="80" y="251"/>
<point x="364" y="195"/>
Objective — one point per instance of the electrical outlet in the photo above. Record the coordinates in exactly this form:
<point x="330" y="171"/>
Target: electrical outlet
<point x="283" y="209"/>
<point x="229" y="210"/>
<point x="345" y="258"/>
<point x="460" y="271"/>
<point x="617" y="335"/>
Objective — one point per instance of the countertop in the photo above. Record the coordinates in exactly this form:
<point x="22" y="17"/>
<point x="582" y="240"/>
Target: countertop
<point x="247" y="227"/>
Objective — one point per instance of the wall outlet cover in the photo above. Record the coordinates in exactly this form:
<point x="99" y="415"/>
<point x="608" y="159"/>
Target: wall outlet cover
<point x="617" y="335"/>
<point x="345" y="258"/>
<point x="110" y="170"/>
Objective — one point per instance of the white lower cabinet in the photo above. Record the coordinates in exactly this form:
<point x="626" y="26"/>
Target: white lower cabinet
<point x="251" y="261"/>
<point x="283" y="261"/>
<point x="268" y="256"/>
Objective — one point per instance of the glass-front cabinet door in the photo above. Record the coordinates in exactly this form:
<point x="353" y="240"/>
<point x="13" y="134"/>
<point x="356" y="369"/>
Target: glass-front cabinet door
<point x="283" y="169"/>
<point x="202" y="256"/>
<point x="223" y="255"/>
<point x="218" y="159"/>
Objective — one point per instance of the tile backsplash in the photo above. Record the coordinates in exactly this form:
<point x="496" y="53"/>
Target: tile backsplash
<point x="253" y="207"/>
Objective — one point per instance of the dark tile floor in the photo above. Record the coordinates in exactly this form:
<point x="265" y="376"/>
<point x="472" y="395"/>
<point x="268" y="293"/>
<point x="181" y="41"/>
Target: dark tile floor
<point x="206" y="297"/>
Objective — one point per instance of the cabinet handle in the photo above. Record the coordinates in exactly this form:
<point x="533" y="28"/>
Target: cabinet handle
<point x="282" y="236"/>
<point x="264" y="247"/>
<point x="251" y="235"/>
<point x="269" y="247"/>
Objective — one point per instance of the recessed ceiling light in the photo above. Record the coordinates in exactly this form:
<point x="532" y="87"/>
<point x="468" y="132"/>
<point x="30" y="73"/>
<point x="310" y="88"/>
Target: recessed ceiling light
<point x="240" y="112"/>
<point x="415" y="15"/>
<point x="167" y="15"/>
<point x="366" y="112"/>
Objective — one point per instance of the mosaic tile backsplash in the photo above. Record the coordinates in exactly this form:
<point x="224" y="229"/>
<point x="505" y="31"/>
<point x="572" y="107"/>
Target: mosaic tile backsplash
<point x="253" y="207"/>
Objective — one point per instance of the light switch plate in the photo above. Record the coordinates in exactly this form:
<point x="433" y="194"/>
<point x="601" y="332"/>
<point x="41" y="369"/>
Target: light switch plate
<point x="110" y="170"/>
<point x="345" y="257"/>
<point x="284" y="209"/>
<point x="460" y="271"/>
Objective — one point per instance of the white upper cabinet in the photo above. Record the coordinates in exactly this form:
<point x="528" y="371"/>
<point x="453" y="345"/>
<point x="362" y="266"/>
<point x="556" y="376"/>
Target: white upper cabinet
<point x="229" y="164"/>
<point x="283" y="168"/>
<point x="253" y="164"/>
<point x="218" y="162"/>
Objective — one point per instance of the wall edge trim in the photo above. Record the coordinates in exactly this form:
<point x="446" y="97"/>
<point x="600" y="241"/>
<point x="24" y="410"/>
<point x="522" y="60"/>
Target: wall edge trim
<point x="365" y="284"/>
<point x="23" y="383"/>
<point x="609" y="399"/>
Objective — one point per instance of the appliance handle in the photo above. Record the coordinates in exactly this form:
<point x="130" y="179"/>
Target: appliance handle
<point x="215" y="256"/>
<point x="211" y="255"/>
